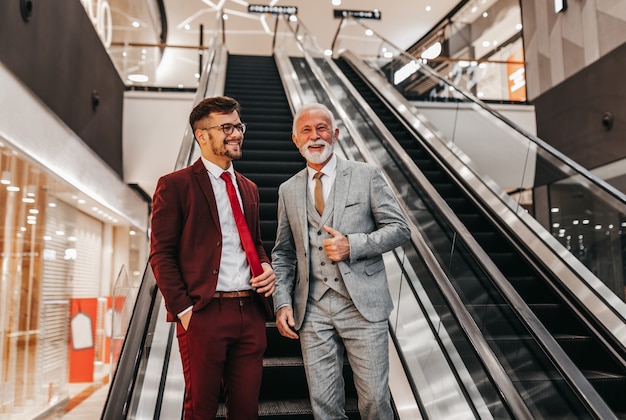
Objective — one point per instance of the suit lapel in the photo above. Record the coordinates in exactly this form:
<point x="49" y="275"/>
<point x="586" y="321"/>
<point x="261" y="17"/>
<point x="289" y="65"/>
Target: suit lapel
<point x="202" y="176"/>
<point x="342" y="186"/>
<point x="300" y="200"/>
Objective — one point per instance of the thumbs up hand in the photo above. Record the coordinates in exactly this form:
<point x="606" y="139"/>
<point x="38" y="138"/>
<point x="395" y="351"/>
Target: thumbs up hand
<point x="338" y="246"/>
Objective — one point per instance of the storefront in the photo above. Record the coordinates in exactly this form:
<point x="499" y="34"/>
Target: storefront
<point x="65" y="250"/>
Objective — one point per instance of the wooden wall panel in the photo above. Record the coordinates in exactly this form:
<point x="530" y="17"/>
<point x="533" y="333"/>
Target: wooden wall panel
<point x="570" y="115"/>
<point x="58" y="55"/>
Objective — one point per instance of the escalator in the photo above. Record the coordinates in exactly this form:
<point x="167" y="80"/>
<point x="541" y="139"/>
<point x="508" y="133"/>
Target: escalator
<point x="601" y="363"/>
<point x="269" y="157"/>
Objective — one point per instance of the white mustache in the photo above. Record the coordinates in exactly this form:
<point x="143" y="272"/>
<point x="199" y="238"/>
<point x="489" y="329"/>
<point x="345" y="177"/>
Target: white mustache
<point x="315" y="143"/>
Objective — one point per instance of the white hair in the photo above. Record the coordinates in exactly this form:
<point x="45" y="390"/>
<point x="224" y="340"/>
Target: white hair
<point x="313" y="106"/>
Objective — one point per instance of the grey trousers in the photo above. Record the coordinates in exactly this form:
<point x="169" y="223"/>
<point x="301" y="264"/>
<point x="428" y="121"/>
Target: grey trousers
<point x="330" y="325"/>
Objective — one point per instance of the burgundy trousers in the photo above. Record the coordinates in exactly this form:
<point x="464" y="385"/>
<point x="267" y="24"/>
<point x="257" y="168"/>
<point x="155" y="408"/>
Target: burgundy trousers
<point x="223" y="345"/>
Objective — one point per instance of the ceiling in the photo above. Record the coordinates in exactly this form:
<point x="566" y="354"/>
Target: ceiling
<point x="402" y="22"/>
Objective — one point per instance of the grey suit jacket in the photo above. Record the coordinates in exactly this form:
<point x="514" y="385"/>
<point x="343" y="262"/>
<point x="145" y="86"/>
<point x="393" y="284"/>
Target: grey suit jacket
<point x="366" y="212"/>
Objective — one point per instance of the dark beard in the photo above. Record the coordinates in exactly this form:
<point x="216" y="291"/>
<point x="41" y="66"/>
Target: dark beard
<point x="224" y="151"/>
<point x="234" y="155"/>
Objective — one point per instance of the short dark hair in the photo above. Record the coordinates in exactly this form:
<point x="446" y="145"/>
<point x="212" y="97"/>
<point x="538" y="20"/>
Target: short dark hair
<point x="214" y="105"/>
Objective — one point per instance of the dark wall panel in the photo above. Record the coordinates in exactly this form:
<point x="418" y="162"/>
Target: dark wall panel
<point x="59" y="56"/>
<point x="570" y="115"/>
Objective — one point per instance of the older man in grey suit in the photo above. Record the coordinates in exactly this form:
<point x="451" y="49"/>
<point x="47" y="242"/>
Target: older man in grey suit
<point x="335" y="219"/>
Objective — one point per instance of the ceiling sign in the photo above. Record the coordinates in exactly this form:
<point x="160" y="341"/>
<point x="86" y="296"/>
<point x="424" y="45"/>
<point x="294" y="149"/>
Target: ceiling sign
<point x="359" y="14"/>
<point x="276" y="10"/>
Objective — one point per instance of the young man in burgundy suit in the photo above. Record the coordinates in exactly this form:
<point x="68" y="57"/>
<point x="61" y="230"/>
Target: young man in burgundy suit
<point x="212" y="283"/>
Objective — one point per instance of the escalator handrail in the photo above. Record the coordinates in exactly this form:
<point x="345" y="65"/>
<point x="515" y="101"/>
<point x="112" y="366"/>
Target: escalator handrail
<point x="556" y="154"/>
<point x="577" y="381"/>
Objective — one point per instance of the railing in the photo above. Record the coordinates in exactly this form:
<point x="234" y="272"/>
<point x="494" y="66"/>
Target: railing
<point x="488" y="79"/>
<point x="124" y="297"/>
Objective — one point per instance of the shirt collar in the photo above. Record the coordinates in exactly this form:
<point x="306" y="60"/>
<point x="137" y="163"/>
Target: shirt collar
<point x="215" y="170"/>
<point x="328" y="169"/>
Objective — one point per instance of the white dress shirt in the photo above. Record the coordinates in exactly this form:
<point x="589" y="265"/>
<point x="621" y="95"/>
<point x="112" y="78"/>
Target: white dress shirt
<point x="234" y="268"/>
<point x="329" y="170"/>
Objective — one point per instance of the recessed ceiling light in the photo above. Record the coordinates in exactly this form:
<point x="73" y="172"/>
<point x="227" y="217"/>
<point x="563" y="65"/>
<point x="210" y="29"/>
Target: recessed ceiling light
<point x="138" y="78"/>
<point x="433" y="51"/>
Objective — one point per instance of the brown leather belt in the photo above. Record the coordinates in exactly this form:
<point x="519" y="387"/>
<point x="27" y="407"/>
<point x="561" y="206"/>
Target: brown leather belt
<point x="236" y="294"/>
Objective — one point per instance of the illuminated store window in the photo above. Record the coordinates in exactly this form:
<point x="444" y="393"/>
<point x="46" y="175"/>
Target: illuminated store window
<point x="60" y="256"/>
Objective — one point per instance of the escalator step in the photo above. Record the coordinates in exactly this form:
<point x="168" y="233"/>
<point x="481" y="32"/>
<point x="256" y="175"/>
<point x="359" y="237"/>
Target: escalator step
<point x="295" y="409"/>
<point x="255" y="166"/>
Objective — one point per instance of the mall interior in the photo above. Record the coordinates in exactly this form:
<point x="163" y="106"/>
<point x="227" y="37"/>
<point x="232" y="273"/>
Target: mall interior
<point x="498" y="127"/>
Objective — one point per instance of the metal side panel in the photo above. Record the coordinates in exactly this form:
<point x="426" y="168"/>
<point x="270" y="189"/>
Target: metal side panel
<point x="174" y="389"/>
<point x="146" y="401"/>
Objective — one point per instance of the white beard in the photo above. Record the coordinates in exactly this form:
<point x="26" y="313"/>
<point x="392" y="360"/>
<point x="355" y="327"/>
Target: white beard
<point x="317" y="158"/>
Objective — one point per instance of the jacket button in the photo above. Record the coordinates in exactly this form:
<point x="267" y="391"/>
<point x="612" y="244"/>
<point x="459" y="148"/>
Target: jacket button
<point x="219" y="243"/>
<point x="325" y="279"/>
<point x="215" y="271"/>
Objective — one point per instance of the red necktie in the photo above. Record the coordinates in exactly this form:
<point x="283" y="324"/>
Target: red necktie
<point x="242" y="227"/>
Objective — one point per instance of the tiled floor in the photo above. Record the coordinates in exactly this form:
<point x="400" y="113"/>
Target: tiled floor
<point x="87" y="405"/>
<point x="86" y="401"/>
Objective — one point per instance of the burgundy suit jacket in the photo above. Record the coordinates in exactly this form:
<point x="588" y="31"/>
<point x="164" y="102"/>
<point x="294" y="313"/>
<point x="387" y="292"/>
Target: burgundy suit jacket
<point x="186" y="239"/>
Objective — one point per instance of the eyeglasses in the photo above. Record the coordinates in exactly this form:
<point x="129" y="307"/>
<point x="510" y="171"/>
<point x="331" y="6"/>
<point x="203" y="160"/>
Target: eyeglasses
<point x="229" y="128"/>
